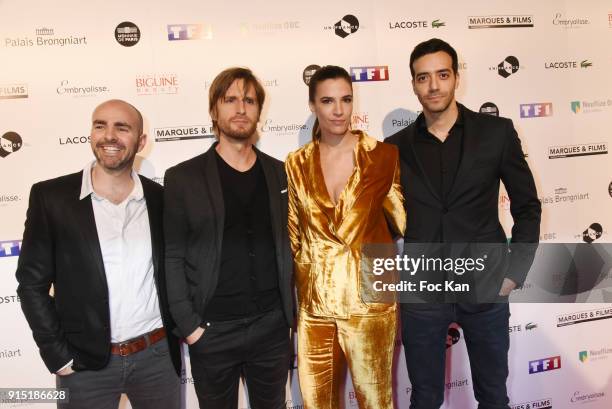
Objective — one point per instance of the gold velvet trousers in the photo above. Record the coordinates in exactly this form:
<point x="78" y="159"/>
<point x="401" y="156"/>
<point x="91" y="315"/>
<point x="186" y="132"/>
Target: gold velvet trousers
<point x="366" y="343"/>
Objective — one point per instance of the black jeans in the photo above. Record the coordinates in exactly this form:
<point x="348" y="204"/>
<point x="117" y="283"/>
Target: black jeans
<point x="256" y="348"/>
<point x="424" y="330"/>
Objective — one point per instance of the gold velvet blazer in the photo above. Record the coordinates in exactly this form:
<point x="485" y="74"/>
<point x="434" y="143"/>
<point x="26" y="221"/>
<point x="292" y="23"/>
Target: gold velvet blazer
<point x="326" y="240"/>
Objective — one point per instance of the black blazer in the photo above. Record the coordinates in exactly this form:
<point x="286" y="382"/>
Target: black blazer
<point x="491" y="152"/>
<point x="60" y="247"/>
<point x="193" y="226"/>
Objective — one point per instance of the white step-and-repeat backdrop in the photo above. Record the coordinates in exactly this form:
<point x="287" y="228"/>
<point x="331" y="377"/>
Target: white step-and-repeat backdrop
<point x="545" y="64"/>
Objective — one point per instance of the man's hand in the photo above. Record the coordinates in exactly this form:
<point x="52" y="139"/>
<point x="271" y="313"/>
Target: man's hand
<point x="65" y="371"/>
<point x="507" y="286"/>
<point x="195" y="336"/>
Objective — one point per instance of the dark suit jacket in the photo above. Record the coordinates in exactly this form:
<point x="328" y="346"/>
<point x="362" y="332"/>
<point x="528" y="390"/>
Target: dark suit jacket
<point x="193" y="226"/>
<point x="61" y="248"/>
<point x="491" y="152"/>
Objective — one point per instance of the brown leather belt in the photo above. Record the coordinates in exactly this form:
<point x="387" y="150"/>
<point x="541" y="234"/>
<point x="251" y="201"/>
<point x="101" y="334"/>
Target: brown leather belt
<point x="138" y="344"/>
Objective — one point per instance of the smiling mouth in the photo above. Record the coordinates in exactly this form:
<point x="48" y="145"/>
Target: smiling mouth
<point x="110" y="149"/>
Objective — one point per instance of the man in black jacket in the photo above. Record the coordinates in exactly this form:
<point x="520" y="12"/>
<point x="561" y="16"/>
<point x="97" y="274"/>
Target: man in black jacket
<point x="96" y="237"/>
<point x="228" y="257"/>
<point x="452" y="160"/>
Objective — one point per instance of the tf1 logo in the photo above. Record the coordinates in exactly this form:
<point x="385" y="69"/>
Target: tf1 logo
<point x="188" y="32"/>
<point x="378" y="73"/>
<point x="546" y="364"/>
<point x="10" y="248"/>
<point x="536" y="110"/>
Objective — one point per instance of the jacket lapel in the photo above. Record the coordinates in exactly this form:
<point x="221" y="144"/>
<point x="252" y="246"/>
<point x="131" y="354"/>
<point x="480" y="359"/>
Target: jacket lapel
<point x="470" y="147"/>
<point x="274" y="196"/>
<point x="215" y="193"/>
<point x="154" y="210"/>
<point x="86" y="221"/>
<point x="319" y="190"/>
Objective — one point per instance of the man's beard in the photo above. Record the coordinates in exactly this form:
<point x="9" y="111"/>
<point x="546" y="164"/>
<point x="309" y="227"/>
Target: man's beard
<point x="438" y="110"/>
<point x="118" y="163"/>
<point x="241" y="135"/>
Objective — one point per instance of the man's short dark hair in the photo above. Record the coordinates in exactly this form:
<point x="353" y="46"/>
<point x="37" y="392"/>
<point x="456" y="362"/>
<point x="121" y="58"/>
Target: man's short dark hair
<point x="224" y="81"/>
<point x="431" y="46"/>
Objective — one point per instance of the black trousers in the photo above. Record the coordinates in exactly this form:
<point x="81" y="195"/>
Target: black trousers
<point x="424" y="330"/>
<point x="256" y="348"/>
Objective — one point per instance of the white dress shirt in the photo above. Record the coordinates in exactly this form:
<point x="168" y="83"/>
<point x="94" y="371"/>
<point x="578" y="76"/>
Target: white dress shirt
<point x="125" y="241"/>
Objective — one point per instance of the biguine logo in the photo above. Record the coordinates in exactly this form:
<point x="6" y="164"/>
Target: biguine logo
<point x="575" y="107"/>
<point x="500" y="21"/>
<point x="536" y="110"/>
<point x="535" y="404"/>
<point x="373" y="73"/>
<point x="309" y="72"/>
<point x="545" y="364"/>
<point x="506" y="68"/>
<point x="182" y="133"/>
<point x="414" y="24"/>
<point x="10" y="142"/>
<point x="592" y="233"/>
<point x="13" y="91"/>
<point x="489" y="108"/>
<point x="10" y="248"/>
<point x="127" y="34"/>
<point x="584" y="316"/>
<point x="570" y="151"/>
<point x="157" y="84"/>
<point x="177" y="32"/>
<point x="345" y="27"/>
<point x="360" y="120"/>
<point x="583" y="356"/>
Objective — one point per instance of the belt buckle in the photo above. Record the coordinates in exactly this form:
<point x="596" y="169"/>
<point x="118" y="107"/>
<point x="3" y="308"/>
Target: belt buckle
<point x="123" y="351"/>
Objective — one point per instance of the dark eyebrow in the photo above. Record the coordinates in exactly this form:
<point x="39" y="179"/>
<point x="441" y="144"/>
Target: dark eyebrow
<point x="435" y="72"/>
<point x="99" y="122"/>
<point x="125" y="124"/>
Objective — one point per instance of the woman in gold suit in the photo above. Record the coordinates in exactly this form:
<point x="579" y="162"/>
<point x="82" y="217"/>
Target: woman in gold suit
<point x="344" y="191"/>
